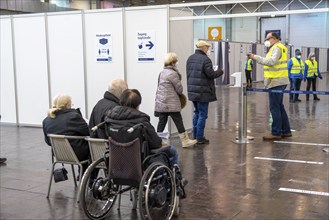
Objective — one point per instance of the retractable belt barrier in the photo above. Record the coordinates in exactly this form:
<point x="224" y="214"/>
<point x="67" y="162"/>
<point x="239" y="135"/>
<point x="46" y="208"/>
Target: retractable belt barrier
<point x="288" y="91"/>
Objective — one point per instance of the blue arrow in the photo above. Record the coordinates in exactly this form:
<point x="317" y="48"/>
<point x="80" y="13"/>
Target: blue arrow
<point x="150" y="45"/>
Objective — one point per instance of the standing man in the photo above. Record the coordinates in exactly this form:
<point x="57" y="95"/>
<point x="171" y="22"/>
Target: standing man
<point x="295" y="73"/>
<point x="275" y="78"/>
<point x="248" y="68"/>
<point x="312" y="71"/>
<point x="201" y="87"/>
<point x="109" y="101"/>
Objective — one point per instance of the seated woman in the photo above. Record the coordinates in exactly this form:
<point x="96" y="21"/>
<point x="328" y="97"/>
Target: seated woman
<point x="128" y="115"/>
<point x="64" y="120"/>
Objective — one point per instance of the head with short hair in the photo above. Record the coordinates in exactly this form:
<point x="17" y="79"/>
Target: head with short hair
<point x="273" y="38"/>
<point x="170" y="59"/>
<point x="131" y="98"/>
<point x="117" y="86"/>
<point x="297" y="52"/>
<point x="203" y="45"/>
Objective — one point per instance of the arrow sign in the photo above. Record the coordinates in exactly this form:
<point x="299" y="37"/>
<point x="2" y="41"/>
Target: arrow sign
<point x="150" y="45"/>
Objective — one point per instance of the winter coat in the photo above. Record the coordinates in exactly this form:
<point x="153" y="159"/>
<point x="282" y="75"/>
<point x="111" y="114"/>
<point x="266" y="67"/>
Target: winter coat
<point x="68" y="122"/>
<point x="200" y="78"/>
<point x="99" y="111"/>
<point x="168" y="91"/>
<point x="123" y="116"/>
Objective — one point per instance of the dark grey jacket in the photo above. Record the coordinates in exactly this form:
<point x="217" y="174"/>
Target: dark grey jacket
<point x="200" y="78"/>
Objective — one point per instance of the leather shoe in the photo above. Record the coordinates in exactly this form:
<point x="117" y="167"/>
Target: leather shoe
<point x="298" y="100"/>
<point x="317" y="99"/>
<point x="202" y="141"/>
<point x="286" y="135"/>
<point x="270" y="137"/>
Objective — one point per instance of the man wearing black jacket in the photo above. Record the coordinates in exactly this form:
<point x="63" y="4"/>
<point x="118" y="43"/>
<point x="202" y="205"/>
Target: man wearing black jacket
<point x="201" y="87"/>
<point x="110" y="100"/>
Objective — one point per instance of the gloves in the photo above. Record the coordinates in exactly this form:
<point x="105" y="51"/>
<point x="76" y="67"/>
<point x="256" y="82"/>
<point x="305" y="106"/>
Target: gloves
<point x="320" y="77"/>
<point x="304" y="79"/>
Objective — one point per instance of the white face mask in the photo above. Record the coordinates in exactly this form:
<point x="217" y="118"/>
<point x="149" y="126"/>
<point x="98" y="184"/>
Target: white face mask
<point x="208" y="53"/>
<point x="176" y="64"/>
<point x="298" y="56"/>
<point x="267" y="43"/>
<point x="312" y="58"/>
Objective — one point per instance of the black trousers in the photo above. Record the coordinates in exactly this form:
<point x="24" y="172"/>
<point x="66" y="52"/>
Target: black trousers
<point x="176" y="117"/>
<point x="248" y="76"/>
<point x="311" y="81"/>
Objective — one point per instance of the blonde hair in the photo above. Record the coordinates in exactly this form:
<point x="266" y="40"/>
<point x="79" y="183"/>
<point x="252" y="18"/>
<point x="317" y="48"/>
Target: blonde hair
<point x="170" y="59"/>
<point x="59" y="102"/>
<point x="117" y="86"/>
<point x="312" y="54"/>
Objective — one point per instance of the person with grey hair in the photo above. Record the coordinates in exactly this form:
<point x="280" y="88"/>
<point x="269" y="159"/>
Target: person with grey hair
<point x="108" y="102"/>
<point x="167" y="100"/>
<point x="201" y="87"/>
<point x="311" y="72"/>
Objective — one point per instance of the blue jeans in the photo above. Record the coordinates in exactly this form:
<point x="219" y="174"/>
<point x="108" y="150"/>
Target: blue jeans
<point x="280" y="124"/>
<point x="294" y="86"/>
<point x="199" y="118"/>
<point x="173" y="151"/>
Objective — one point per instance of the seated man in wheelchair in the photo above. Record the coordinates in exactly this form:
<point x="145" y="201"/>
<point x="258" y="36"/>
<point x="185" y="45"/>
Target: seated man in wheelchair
<point x="128" y="115"/>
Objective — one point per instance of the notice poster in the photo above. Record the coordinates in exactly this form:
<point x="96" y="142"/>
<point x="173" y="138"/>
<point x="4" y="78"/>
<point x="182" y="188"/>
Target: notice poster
<point x="145" y="46"/>
<point x="104" y="47"/>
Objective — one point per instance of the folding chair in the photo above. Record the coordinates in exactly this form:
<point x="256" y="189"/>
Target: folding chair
<point x="97" y="148"/>
<point x="64" y="154"/>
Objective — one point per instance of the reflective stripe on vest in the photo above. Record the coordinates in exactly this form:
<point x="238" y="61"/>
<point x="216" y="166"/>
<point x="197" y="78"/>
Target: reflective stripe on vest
<point x="312" y="68"/>
<point x="279" y="69"/>
<point x="248" y="64"/>
<point x="297" y="67"/>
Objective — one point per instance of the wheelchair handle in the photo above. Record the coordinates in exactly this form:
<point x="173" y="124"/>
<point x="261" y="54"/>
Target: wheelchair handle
<point x="93" y="129"/>
<point x="130" y="130"/>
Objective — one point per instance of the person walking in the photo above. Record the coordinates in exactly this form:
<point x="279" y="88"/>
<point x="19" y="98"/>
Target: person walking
<point x="167" y="101"/>
<point x="201" y="87"/>
<point x="248" y="69"/>
<point x="311" y="72"/>
<point x="295" y="73"/>
<point x="275" y="78"/>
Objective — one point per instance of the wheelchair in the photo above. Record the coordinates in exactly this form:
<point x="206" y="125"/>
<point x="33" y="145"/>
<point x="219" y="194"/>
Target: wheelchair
<point x="128" y="165"/>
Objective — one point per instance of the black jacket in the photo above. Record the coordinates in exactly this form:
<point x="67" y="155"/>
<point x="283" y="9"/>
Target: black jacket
<point x="68" y="122"/>
<point x="98" y="114"/>
<point x="122" y="116"/>
<point x="200" y="78"/>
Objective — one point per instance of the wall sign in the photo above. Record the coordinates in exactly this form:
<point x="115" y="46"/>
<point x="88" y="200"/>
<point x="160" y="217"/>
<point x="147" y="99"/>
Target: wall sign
<point x="145" y="46"/>
<point x="104" y="47"/>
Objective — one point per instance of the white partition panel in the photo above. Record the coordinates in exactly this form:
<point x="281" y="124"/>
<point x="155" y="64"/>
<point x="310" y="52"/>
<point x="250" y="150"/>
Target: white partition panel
<point x="7" y="84"/>
<point x="31" y="68"/>
<point x="99" y="74"/>
<point x="144" y="75"/>
<point x="66" y="56"/>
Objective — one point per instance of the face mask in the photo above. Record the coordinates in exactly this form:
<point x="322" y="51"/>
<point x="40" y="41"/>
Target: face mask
<point x="298" y="56"/>
<point x="208" y="53"/>
<point x="267" y="43"/>
<point x="176" y="64"/>
<point x="312" y="58"/>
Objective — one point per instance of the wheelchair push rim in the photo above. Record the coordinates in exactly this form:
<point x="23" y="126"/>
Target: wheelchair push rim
<point x="157" y="193"/>
<point x="99" y="195"/>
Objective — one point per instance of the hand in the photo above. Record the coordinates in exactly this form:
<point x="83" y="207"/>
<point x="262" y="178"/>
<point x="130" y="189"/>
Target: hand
<point x="250" y="56"/>
<point x="320" y="77"/>
<point x="304" y="79"/>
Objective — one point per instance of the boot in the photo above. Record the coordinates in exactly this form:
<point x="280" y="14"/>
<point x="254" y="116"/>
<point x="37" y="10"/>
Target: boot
<point x="186" y="141"/>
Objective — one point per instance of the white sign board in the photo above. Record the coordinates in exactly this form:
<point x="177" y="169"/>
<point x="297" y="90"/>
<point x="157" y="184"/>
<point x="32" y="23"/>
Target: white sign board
<point x="145" y="46"/>
<point x="104" y="47"/>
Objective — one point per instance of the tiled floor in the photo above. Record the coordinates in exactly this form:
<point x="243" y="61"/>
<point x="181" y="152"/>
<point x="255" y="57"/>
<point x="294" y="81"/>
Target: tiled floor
<point x="226" y="180"/>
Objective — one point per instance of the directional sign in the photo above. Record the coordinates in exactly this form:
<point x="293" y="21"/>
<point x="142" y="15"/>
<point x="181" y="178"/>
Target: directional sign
<point x="103" y="47"/>
<point x="146" y="46"/>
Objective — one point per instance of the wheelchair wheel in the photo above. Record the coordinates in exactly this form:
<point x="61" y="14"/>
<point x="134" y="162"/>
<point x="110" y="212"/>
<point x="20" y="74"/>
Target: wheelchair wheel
<point x="157" y="193"/>
<point x="98" y="195"/>
<point x="177" y="206"/>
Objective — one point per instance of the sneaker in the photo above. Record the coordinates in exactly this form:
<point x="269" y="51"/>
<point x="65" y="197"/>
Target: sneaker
<point x="270" y="137"/>
<point x="286" y="135"/>
<point x="202" y="141"/>
<point x="2" y="160"/>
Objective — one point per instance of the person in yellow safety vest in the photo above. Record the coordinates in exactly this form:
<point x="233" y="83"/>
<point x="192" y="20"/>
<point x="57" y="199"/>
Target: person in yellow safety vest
<point x="275" y="78"/>
<point x="248" y="68"/>
<point x="295" y="73"/>
<point x="311" y="72"/>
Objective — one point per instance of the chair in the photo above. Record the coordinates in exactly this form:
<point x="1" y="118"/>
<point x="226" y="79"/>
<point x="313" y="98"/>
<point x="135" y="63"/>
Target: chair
<point x="64" y="154"/>
<point x="97" y="148"/>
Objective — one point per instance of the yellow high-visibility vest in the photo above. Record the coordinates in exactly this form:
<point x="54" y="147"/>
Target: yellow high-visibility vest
<point x="248" y="64"/>
<point x="297" y="67"/>
<point x="312" y="68"/>
<point x="280" y="69"/>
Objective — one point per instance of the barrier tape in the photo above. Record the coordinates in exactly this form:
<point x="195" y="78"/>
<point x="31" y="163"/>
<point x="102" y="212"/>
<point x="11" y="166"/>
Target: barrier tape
<point x="288" y="91"/>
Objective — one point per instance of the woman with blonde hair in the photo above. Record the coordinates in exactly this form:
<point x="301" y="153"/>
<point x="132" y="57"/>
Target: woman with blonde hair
<point x="64" y="120"/>
<point x="167" y="100"/>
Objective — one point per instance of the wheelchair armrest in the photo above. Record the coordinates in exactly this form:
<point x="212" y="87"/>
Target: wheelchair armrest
<point x="158" y="150"/>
